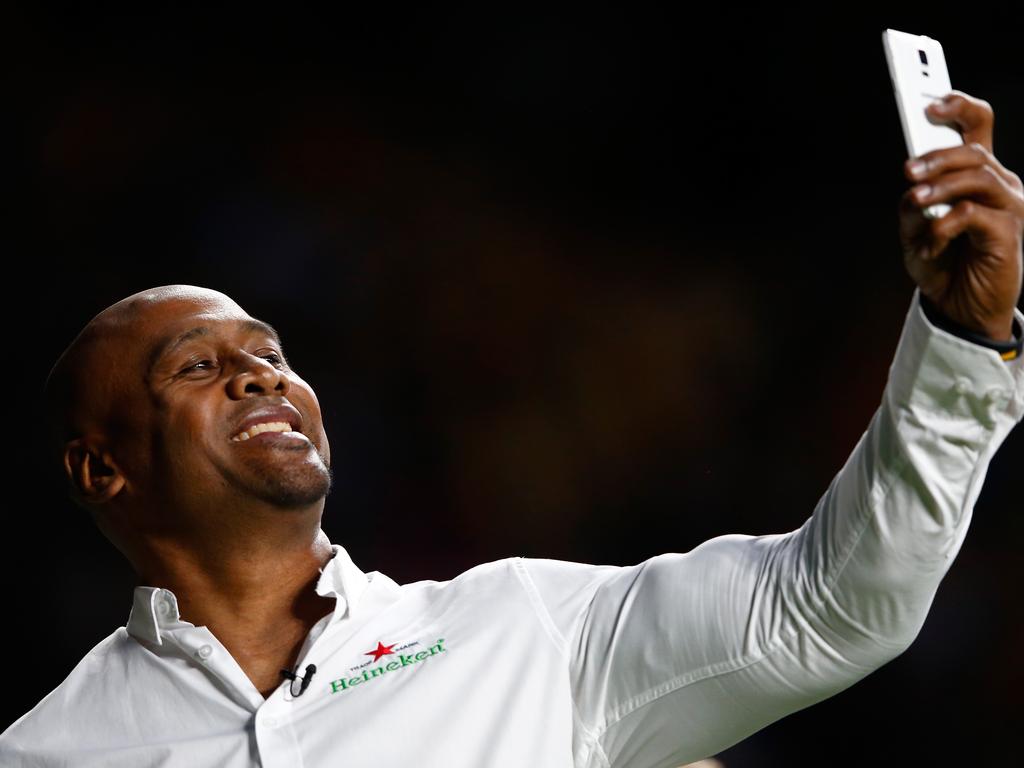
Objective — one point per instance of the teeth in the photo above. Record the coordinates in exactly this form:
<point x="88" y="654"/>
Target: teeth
<point x="255" y="429"/>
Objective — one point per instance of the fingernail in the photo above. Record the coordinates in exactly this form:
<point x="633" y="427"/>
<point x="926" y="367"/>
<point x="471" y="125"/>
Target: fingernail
<point x="921" y="192"/>
<point x="917" y="167"/>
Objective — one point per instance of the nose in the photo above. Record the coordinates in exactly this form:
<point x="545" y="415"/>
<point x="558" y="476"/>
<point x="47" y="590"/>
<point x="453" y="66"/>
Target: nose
<point x="256" y="376"/>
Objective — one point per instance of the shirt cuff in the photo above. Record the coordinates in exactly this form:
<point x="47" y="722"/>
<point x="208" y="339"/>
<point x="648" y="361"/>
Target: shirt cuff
<point x="937" y="371"/>
<point x="1008" y="350"/>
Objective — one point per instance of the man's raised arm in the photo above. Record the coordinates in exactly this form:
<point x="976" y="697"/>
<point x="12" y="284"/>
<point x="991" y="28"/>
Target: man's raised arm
<point x="683" y="655"/>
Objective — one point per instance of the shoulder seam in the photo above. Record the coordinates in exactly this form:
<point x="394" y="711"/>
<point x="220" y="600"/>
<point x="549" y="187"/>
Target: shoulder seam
<point x="518" y="566"/>
<point x="541" y="611"/>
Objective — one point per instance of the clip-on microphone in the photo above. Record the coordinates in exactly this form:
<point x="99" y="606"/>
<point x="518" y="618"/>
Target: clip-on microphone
<point x="304" y="681"/>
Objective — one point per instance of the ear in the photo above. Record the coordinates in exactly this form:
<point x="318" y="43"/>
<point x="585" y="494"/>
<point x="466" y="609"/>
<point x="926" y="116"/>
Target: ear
<point x="92" y="471"/>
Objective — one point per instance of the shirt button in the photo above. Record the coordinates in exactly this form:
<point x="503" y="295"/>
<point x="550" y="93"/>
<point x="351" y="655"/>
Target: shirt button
<point x="270" y="722"/>
<point x="997" y="396"/>
<point x="962" y="385"/>
<point x="163" y="607"/>
<point x="204" y="651"/>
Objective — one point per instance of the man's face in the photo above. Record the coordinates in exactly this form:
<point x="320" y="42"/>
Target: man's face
<point x="220" y="414"/>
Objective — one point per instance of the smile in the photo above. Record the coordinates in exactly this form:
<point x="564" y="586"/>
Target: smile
<point x="281" y="429"/>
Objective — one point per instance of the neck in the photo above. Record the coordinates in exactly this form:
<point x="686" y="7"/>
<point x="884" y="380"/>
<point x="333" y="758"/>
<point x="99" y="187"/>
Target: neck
<point x="245" y="572"/>
<point x="254" y="593"/>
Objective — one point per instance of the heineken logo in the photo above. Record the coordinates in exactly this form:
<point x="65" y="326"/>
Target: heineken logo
<point x="399" y="662"/>
<point x="382" y="650"/>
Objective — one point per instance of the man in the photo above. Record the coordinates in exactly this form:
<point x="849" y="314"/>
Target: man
<point x="202" y="456"/>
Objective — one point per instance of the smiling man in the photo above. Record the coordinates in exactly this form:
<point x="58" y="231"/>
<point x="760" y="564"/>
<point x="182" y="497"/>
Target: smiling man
<point x="201" y="454"/>
<point x="204" y="460"/>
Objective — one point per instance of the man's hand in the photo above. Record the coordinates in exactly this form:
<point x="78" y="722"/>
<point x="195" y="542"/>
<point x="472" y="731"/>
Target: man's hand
<point x="969" y="262"/>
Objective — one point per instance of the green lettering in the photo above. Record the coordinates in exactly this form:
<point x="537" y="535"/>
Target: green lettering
<point x="403" y="660"/>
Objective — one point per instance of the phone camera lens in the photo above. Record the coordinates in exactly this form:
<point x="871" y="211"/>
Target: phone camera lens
<point x="924" y="59"/>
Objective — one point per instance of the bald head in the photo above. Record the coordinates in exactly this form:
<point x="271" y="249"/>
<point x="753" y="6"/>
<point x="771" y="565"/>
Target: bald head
<point x="177" y="421"/>
<point x="86" y="389"/>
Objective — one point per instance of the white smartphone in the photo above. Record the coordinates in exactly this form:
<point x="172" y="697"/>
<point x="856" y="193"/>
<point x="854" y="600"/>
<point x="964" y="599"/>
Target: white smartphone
<point x="917" y="67"/>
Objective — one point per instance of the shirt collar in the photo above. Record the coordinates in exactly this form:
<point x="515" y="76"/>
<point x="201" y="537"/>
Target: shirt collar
<point x="154" y="608"/>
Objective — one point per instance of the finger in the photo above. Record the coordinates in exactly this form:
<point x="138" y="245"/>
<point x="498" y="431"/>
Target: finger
<point x="981" y="223"/>
<point x="913" y="224"/>
<point x="916" y="237"/>
<point x="940" y="161"/>
<point x="973" y="117"/>
<point x="981" y="184"/>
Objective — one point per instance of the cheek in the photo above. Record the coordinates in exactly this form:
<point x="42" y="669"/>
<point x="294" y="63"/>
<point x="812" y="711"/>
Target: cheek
<point x="188" y="437"/>
<point x="311" y="407"/>
<point x="309" y="401"/>
<point x="134" y="454"/>
<point x="325" y="448"/>
<point x="131" y="435"/>
<point x="300" y="383"/>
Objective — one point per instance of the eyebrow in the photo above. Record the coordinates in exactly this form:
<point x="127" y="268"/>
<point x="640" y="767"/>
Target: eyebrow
<point x="168" y="345"/>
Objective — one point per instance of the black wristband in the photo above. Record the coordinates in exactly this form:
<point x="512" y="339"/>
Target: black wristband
<point x="1008" y="350"/>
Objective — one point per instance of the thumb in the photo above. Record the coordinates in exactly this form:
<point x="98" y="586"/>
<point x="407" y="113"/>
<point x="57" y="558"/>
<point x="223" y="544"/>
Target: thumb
<point x="971" y="116"/>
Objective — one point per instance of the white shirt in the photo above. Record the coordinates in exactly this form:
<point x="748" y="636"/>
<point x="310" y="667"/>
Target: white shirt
<point x="545" y="663"/>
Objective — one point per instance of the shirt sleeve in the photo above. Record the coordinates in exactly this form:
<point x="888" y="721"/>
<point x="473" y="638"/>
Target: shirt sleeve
<point x="1008" y="350"/>
<point x="683" y="655"/>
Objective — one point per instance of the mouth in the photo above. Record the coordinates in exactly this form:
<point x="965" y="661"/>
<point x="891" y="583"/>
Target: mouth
<point x="274" y="430"/>
<point x="280" y="422"/>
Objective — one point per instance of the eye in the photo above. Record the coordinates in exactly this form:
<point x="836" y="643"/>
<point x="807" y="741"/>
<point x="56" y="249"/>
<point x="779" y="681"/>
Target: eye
<point x="196" y="366"/>
<point x="274" y="359"/>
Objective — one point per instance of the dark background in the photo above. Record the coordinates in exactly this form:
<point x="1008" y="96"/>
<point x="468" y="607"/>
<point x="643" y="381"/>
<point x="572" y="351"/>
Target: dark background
<point x="582" y="284"/>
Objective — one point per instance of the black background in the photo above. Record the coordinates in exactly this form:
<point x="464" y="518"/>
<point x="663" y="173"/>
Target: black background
<point x="584" y="284"/>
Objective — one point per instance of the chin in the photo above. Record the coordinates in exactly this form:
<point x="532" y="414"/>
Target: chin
<point x="296" y="488"/>
<point x="290" y="479"/>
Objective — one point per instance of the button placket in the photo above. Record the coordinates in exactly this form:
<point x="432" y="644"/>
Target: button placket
<point x="200" y="647"/>
<point x="275" y="736"/>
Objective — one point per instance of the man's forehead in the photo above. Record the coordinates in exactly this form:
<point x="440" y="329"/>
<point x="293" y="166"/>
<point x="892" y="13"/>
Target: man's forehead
<point x="201" y="323"/>
<point x="147" y="326"/>
<point x="180" y="316"/>
<point x="164" y="294"/>
<point x="171" y="312"/>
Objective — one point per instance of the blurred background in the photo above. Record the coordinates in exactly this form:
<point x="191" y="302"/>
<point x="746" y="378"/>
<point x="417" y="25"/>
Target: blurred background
<point x="581" y="284"/>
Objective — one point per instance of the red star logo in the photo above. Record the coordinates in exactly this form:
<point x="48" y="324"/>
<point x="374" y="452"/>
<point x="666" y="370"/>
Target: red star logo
<point x="382" y="650"/>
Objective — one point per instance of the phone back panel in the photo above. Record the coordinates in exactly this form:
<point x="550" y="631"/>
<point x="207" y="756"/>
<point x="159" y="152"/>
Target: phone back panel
<point x="917" y="67"/>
